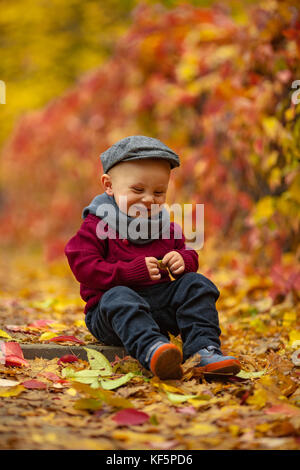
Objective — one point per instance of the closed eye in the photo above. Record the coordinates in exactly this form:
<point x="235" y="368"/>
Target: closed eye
<point x="137" y="189"/>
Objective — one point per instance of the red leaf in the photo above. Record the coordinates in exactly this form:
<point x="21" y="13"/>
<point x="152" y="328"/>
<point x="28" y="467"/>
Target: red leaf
<point x="13" y="354"/>
<point x="67" y="358"/>
<point x="187" y="410"/>
<point x="50" y="376"/>
<point x="130" y="416"/>
<point x="34" y="384"/>
<point x="14" y="327"/>
<point x="41" y="323"/>
<point x="283" y="409"/>
<point x="66" y="338"/>
<point x="15" y="361"/>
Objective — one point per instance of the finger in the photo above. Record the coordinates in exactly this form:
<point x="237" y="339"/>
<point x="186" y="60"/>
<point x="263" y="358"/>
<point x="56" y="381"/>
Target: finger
<point x="176" y="265"/>
<point x="154" y="271"/>
<point x="178" y="271"/>
<point x="155" y="277"/>
<point x="167" y="258"/>
<point x="152" y="265"/>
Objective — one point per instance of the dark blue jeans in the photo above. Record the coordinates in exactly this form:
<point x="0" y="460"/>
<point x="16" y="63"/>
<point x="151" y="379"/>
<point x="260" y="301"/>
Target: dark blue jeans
<point x="137" y="318"/>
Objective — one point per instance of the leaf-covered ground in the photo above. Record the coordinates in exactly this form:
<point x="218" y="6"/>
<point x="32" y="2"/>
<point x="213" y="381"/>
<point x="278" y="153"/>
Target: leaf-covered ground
<point x="43" y="408"/>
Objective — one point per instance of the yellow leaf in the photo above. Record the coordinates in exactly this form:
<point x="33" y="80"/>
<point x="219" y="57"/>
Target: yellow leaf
<point x="47" y="335"/>
<point x="200" y="429"/>
<point x="137" y="436"/>
<point x="175" y="340"/>
<point x="12" y="391"/>
<point x="3" y="334"/>
<point x="264" y="209"/>
<point x="234" y="429"/>
<point x="80" y="323"/>
<point x="294" y="336"/>
<point x="275" y="177"/>
<point x="58" y="326"/>
<point x="258" y="325"/>
<point x="289" y="114"/>
<point x="258" y="399"/>
<point x="289" y="318"/>
<point x="170" y="388"/>
<point x="271" y="126"/>
<point x="264" y="427"/>
<point x="295" y="189"/>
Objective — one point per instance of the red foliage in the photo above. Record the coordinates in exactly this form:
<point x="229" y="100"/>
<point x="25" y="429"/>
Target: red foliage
<point x="191" y="77"/>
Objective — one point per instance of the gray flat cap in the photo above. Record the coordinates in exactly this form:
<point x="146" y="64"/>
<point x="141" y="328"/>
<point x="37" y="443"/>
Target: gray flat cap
<point x="137" y="147"/>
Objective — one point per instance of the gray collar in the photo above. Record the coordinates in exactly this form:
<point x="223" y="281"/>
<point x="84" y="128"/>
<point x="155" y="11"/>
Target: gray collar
<point x="138" y="230"/>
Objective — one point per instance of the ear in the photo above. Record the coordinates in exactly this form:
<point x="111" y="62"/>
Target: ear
<point x="107" y="184"/>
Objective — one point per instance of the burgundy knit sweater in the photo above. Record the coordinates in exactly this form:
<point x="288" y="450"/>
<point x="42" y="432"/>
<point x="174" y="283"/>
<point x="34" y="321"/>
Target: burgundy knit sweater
<point x="99" y="265"/>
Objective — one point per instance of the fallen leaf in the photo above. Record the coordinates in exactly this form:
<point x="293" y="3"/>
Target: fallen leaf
<point x="98" y="361"/>
<point x="15" y="361"/>
<point x="41" y="323"/>
<point x="34" y="384"/>
<point x="250" y="375"/>
<point x="176" y="398"/>
<point x="51" y="376"/>
<point x="137" y="436"/>
<point x="187" y="410"/>
<point x="47" y="336"/>
<point x="8" y="383"/>
<point x="67" y="358"/>
<point x="106" y="395"/>
<point x="12" y="391"/>
<point x="115" y="383"/>
<point x="13" y="354"/>
<point x="130" y="416"/>
<point x="88" y="404"/>
<point x="3" y="334"/>
<point x="64" y="338"/>
<point x="284" y="409"/>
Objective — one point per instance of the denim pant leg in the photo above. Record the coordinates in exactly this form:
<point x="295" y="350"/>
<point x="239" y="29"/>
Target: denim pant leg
<point x="123" y="317"/>
<point x="190" y="303"/>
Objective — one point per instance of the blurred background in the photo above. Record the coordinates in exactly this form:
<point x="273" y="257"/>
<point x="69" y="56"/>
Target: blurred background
<point x="212" y="80"/>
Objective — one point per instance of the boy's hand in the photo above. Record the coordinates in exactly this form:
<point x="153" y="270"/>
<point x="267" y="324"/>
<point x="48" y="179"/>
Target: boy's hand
<point x="174" y="261"/>
<point x="152" y="265"/>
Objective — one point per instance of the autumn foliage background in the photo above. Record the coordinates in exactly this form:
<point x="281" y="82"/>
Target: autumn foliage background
<point x="213" y="83"/>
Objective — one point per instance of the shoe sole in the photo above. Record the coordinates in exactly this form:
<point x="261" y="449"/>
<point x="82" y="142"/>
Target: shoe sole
<point x="229" y="366"/>
<point x="165" y="362"/>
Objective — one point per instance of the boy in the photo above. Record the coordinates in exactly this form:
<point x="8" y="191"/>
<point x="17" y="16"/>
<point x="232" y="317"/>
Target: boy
<point x="131" y="299"/>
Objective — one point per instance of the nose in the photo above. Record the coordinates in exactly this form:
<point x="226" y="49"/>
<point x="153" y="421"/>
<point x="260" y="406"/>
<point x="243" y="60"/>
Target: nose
<point x="148" y="199"/>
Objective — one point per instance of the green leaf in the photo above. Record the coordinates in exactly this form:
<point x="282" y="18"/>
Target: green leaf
<point x="88" y="404"/>
<point x="68" y="372"/>
<point x="177" y="398"/>
<point x="250" y="375"/>
<point x="154" y="420"/>
<point x="99" y="362"/>
<point x="111" y="384"/>
<point x="85" y="376"/>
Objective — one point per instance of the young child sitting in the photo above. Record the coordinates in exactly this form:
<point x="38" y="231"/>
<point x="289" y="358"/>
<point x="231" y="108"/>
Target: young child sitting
<point x="131" y="300"/>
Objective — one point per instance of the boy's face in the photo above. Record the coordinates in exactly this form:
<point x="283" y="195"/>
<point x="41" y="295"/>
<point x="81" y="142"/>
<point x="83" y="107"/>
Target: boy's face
<point x="143" y="182"/>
